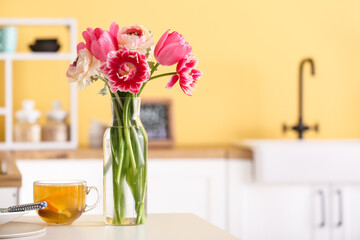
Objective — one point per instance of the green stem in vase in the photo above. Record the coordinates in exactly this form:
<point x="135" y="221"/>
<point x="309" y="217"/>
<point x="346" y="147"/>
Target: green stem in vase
<point x="151" y="73"/>
<point x="113" y="143"/>
<point x="129" y="150"/>
<point x="140" y="218"/>
<point x="138" y="147"/>
<point x="136" y="182"/>
<point x="126" y="120"/>
<point x="118" y="101"/>
<point x="117" y="143"/>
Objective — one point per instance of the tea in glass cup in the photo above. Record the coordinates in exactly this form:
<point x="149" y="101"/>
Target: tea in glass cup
<point x="66" y="200"/>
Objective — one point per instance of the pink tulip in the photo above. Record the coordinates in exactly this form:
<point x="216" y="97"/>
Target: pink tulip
<point x="186" y="75"/>
<point x="100" y="42"/>
<point x="126" y="70"/>
<point x="171" y="48"/>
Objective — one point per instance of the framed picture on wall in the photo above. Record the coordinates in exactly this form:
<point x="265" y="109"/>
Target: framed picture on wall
<point x="157" y="118"/>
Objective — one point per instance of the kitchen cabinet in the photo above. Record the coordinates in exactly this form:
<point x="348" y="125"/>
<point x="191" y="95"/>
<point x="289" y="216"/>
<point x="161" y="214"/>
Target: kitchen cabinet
<point x="10" y="180"/>
<point x="8" y="196"/>
<point x="345" y="212"/>
<point x="189" y="185"/>
<point x="174" y="185"/>
<point x="280" y="212"/>
<point x="224" y="191"/>
<point x="294" y="211"/>
<point x="322" y="174"/>
<point x="262" y="211"/>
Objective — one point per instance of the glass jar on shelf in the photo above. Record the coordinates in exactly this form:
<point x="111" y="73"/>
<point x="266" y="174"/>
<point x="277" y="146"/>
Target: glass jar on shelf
<point x="56" y="129"/>
<point x="27" y="129"/>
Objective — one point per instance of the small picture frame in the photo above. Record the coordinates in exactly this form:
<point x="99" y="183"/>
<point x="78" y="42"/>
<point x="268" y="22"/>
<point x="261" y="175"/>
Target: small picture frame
<point x="157" y="118"/>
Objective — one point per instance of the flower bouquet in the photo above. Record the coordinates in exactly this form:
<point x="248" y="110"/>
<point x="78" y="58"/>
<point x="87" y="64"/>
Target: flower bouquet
<point x="122" y="61"/>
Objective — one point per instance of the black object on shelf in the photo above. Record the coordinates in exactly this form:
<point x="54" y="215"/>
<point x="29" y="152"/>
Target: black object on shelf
<point x="157" y="117"/>
<point x="45" y="45"/>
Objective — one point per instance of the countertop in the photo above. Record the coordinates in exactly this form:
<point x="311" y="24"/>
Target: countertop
<point x="158" y="227"/>
<point x="158" y="153"/>
<point x="13" y="177"/>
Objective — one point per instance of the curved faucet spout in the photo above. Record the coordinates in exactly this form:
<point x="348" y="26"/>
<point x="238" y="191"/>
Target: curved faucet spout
<point x="301" y="84"/>
<point x="301" y="127"/>
<point x="302" y="66"/>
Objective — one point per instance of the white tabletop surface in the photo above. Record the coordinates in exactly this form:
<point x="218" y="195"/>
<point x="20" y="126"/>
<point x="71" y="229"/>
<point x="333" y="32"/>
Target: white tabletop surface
<point x="157" y="227"/>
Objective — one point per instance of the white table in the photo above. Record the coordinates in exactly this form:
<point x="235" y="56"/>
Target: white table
<point x="157" y="227"/>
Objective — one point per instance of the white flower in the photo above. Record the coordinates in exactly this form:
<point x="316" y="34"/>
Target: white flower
<point x="136" y="38"/>
<point x="84" y="67"/>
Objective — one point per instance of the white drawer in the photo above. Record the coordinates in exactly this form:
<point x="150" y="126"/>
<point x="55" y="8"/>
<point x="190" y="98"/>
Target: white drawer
<point x="8" y="196"/>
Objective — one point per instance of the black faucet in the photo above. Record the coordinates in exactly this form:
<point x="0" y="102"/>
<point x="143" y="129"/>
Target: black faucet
<point x="301" y="127"/>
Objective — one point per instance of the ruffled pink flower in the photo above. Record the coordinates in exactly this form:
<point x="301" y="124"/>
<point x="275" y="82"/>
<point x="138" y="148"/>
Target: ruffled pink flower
<point x="187" y="75"/>
<point x="136" y="38"/>
<point x="171" y="48"/>
<point x="84" y="68"/>
<point x="100" y="42"/>
<point x="126" y="70"/>
<point x="80" y="46"/>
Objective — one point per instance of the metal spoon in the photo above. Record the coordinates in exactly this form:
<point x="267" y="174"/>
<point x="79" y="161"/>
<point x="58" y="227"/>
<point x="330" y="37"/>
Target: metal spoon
<point x="24" y="207"/>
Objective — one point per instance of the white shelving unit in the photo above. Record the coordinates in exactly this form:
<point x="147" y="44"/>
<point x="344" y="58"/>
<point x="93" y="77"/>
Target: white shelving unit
<point x="36" y="56"/>
<point x="8" y="59"/>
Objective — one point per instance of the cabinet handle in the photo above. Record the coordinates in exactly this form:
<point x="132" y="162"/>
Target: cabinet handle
<point x="322" y="209"/>
<point x="340" y="198"/>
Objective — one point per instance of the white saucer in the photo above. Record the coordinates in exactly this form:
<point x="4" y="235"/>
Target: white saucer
<point x="20" y="229"/>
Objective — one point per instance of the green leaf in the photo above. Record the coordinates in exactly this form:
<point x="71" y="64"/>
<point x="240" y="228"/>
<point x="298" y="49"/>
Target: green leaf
<point x="103" y="91"/>
<point x="148" y="52"/>
<point x="94" y="78"/>
<point x="151" y="64"/>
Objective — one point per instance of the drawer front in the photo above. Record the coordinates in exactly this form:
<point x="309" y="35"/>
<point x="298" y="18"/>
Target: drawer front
<point x="8" y="197"/>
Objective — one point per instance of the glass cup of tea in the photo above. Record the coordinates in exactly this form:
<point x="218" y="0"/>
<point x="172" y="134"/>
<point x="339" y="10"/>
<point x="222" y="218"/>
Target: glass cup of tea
<point x="66" y="200"/>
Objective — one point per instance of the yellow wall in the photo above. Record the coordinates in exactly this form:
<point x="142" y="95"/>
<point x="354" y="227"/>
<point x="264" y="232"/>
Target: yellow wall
<point x="249" y="52"/>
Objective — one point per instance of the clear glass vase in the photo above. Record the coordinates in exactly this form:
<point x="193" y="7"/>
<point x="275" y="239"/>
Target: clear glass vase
<point x="125" y="164"/>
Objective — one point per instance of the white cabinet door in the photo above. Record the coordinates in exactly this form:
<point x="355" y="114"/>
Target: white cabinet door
<point x="346" y="212"/>
<point x="275" y="211"/>
<point x="285" y="212"/>
<point x="8" y="196"/>
<point x="188" y="185"/>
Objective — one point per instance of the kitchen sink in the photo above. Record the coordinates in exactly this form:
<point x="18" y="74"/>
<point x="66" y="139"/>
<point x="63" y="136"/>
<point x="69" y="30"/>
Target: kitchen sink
<point x="303" y="161"/>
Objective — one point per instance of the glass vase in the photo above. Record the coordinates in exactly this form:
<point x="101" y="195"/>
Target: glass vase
<point x="125" y="164"/>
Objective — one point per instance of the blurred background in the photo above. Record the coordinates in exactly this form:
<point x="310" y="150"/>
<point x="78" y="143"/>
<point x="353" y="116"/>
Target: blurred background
<point x="249" y="52"/>
<point x="274" y="187"/>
